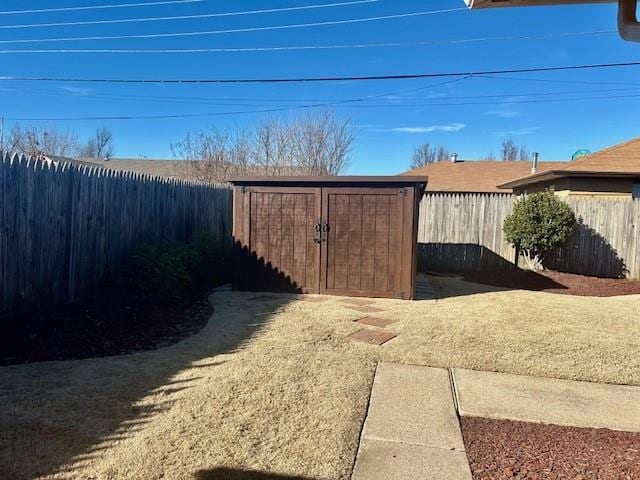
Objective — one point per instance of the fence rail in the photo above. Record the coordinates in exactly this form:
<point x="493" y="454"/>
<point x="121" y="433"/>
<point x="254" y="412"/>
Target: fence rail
<point x="463" y="232"/>
<point x="63" y="227"/>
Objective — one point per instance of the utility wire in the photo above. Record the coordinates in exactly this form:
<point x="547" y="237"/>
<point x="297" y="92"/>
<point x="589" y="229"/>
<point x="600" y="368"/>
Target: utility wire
<point x="99" y="7"/>
<point x="361" y="78"/>
<point x="292" y="102"/>
<point x="314" y="47"/>
<point x="550" y="80"/>
<point x="237" y="30"/>
<point x="311" y="106"/>
<point x="187" y="17"/>
<point x="300" y="107"/>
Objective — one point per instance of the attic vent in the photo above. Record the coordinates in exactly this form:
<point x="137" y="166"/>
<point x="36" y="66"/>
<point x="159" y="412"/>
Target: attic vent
<point x="454" y="158"/>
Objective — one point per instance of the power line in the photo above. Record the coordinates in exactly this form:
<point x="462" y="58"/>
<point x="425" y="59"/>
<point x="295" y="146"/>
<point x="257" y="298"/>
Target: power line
<point x="549" y="80"/>
<point x="292" y="102"/>
<point x="99" y="7"/>
<point x="187" y="17"/>
<point x="408" y="76"/>
<point x="237" y="30"/>
<point x="302" y="107"/>
<point x="314" y="47"/>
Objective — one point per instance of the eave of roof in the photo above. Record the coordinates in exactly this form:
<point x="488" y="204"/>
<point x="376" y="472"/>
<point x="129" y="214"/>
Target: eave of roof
<point x="554" y="174"/>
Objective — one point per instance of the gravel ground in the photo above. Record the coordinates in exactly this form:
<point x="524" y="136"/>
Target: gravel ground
<point x="557" y="282"/>
<point x="502" y="449"/>
<point x="276" y="386"/>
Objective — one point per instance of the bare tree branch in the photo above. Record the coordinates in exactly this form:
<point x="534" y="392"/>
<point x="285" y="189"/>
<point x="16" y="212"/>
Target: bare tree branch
<point x="311" y="145"/>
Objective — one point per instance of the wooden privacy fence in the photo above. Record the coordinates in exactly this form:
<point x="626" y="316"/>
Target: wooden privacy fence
<point x="63" y="227"/>
<point x="463" y="232"/>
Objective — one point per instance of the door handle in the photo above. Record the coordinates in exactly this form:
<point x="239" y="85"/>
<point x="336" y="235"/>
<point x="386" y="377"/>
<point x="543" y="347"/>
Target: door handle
<point x="325" y="230"/>
<point x="318" y="237"/>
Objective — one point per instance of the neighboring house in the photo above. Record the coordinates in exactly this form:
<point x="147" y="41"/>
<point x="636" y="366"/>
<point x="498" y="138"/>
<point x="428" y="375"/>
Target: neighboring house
<point x="158" y="168"/>
<point x="166" y="168"/>
<point x="610" y="173"/>
<point x="476" y="176"/>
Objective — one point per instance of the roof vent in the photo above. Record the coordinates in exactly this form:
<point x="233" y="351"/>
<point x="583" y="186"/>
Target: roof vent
<point x="454" y="158"/>
<point x="534" y="162"/>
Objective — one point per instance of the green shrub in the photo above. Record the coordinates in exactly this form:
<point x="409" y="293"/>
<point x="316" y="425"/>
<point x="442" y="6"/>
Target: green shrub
<point x="160" y="271"/>
<point x="539" y="223"/>
<point x="172" y="269"/>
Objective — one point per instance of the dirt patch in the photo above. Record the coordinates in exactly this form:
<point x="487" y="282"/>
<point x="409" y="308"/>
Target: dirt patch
<point x="556" y="282"/>
<point x="112" y="323"/>
<point x="501" y="449"/>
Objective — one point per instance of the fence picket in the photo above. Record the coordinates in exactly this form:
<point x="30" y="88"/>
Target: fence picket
<point x="463" y="232"/>
<point x="64" y="227"/>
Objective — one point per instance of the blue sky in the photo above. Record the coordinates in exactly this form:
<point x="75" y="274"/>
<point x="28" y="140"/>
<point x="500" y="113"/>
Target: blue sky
<point x="386" y="133"/>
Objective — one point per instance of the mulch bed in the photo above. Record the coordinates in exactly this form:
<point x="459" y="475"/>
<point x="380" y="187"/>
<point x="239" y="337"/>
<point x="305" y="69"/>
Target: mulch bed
<point x="556" y="282"/>
<point x="501" y="449"/>
<point x="113" y="323"/>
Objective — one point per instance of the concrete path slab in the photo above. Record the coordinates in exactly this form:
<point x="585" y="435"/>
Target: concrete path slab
<point x="411" y="431"/>
<point x="379" y="460"/>
<point x="413" y="404"/>
<point x="546" y="400"/>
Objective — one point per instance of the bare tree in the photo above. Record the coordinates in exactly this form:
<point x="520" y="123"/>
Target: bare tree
<point x="426" y="155"/>
<point x="509" y="151"/>
<point x="512" y="152"/>
<point x="41" y="142"/>
<point x="490" y="157"/>
<point x="321" y="144"/>
<point x="100" y="145"/>
<point x="310" y="145"/>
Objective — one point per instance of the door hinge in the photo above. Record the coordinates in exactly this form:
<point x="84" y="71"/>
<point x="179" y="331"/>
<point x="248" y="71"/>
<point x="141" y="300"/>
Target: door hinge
<point x="404" y="192"/>
<point x="243" y="189"/>
<point x="400" y="295"/>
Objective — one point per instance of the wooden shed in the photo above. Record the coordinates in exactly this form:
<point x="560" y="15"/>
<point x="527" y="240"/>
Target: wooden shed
<point x="353" y="236"/>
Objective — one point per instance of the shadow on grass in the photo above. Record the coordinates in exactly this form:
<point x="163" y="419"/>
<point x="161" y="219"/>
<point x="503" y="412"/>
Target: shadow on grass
<point x="59" y="416"/>
<point x="231" y="474"/>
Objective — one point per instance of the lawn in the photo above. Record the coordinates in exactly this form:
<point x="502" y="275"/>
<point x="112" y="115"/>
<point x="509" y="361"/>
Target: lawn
<point x="275" y="386"/>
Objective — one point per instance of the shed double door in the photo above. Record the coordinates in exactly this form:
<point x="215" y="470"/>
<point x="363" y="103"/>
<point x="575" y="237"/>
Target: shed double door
<point x="342" y="241"/>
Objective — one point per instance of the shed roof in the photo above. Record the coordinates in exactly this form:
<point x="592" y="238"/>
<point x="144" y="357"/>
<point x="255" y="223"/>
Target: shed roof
<point x="335" y="180"/>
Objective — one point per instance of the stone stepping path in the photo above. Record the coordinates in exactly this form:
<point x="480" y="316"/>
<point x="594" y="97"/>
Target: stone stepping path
<point x="372" y="337"/>
<point x="357" y="301"/>
<point x="375" y="322"/>
<point x="411" y="431"/>
<point x="364" y="308"/>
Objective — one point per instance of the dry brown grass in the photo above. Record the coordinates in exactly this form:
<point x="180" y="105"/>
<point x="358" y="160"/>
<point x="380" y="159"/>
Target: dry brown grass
<point x="275" y="386"/>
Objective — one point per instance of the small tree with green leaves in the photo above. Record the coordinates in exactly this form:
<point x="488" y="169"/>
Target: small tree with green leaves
<point x="539" y="223"/>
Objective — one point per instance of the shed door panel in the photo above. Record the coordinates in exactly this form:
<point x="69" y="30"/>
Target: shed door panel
<point x="362" y="251"/>
<point x="281" y="238"/>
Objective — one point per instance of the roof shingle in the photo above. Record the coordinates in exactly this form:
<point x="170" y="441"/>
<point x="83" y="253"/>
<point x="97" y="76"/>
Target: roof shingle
<point x="478" y="176"/>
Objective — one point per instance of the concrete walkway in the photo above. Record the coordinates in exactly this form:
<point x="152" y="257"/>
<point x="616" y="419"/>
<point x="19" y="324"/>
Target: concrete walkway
<point x="412" y="430"/>
<point x="547" y="400"/>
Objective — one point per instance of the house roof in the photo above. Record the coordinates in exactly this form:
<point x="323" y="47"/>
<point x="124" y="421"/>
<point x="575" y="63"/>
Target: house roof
<point x="158" y="168"/>
<point x="622" y="160"/>
<point x="478" y="176"/>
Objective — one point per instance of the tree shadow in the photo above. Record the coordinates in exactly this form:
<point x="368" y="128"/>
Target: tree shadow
<point x="232" y="474"/>
<point x="588" y="253"/>
<point x="459" y="258"/>
<point x="59" y="416"/>
<point x="483" y="270"/>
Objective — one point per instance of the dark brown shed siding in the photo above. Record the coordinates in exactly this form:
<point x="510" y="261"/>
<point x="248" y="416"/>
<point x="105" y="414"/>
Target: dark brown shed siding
<point x="336" y="235"/>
